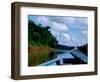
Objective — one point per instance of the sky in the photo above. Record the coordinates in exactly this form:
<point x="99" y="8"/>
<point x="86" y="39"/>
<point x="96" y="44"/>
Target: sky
<point x="70" y="31"/>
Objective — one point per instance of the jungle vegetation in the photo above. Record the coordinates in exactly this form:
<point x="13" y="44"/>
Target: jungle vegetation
<point x="40" y="36"/>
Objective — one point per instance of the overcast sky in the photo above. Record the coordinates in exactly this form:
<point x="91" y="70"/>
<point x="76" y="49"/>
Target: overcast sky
<point x="70" y="31"/>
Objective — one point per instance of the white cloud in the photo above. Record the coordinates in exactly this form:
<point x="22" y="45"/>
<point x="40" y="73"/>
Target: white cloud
<point x="77" y="22"/>
<point x="63" y="38"/>
<point x="42" y="20"/>
<point x="84" y="32"/>
<point x="59" y="27"/>
<point x="67" y="36"/>
<point x="63" y="20"/>
<point x="77" y="42"/>
<point x="55" y="33"/>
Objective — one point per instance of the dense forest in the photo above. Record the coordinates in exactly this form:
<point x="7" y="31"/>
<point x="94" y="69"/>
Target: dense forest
<point x="40" y="36"/>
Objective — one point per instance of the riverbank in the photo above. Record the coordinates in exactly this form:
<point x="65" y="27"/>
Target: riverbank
<point x="40" y="49"/>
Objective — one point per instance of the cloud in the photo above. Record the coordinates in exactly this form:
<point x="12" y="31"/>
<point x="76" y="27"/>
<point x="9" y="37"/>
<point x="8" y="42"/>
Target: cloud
<point x="67" y="36"/>
<point x="75" y="22"/>
<point x="84" y="32"/>
<point x="59" y="27"/>
<point x="69" y="31"/>
<point x="77" y="42"/>
<point x="64" y="38"/>
<point x="42" y="20"/>
<point x="63" y="20"/>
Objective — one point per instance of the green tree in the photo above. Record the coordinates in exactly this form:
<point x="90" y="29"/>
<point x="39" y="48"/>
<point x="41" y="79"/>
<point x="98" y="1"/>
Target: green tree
<point x="39" y="35"/>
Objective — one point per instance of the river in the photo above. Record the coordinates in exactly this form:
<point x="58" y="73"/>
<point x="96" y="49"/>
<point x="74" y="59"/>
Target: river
<point x="38" y="57"/>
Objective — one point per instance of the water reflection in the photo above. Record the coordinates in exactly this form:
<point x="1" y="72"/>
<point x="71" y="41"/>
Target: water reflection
<point x="39" y="57"/>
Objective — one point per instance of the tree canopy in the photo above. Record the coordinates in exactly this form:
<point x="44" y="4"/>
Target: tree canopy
<point x="39" y="35"/>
